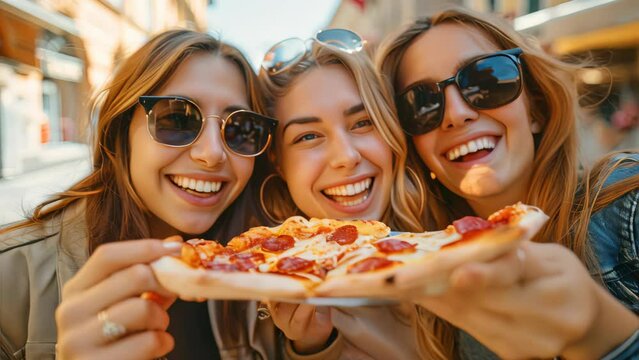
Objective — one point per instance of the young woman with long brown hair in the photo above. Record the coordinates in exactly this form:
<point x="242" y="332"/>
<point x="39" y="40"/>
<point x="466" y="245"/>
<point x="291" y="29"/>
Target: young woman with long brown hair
<point x="174" y="149"/>
<point x="505" y="131"/>
<point x="337" y="153"/>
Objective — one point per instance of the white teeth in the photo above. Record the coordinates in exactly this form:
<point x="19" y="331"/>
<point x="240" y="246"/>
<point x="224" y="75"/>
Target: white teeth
<point x="464" y="149"/>
<point x="472" y="146"/>
<point x="202" y="186"/>
<point x="350" y="189"/>
<point x="354" y="202"/>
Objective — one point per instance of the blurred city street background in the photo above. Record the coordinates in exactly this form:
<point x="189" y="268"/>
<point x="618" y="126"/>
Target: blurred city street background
<point x="55" y="55"/>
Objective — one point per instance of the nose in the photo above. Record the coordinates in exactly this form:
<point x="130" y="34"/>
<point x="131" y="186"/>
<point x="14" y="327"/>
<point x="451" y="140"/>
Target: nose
<point x="457" y="112"/>
<point x="209" y="149"/>
<point x="344" y="152"/>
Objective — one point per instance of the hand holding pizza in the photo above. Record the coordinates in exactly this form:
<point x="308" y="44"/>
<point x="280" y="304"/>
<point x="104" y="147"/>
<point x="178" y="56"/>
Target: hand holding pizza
<point x="536" y="301"/>
<point x="307" y="326"/>
<point x="103" y="313"/>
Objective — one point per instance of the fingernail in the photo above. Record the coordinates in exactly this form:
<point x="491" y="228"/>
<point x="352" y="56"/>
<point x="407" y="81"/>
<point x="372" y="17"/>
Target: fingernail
<point x="172" y="245"/>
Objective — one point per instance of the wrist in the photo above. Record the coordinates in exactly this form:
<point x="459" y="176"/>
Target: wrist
<point x="303" y="347"/>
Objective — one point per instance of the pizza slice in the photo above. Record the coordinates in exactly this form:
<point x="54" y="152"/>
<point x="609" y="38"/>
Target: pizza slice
<point x="286" y="261"/>
<point x="407" y="261"/>
<point x="332" y="258"/>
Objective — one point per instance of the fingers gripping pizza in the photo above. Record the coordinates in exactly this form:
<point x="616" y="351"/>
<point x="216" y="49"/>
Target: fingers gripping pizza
<point x="332" y="258"/>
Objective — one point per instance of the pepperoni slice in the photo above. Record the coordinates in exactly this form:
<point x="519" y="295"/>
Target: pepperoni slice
<point x="226" y="267"/>
<point x="279" y="243"/>
<point x="247" y="261"/>
<point x="469" y="224"/>
<point x="394" y="246"/>
<point x="294" y="264"/>
<point x="245" y="264"/>
<point x="370" y="264"/>
<point x="344" y="235"/>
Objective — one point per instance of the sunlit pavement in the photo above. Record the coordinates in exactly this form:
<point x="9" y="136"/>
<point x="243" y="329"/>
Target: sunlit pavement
<point x="23" y="192"/>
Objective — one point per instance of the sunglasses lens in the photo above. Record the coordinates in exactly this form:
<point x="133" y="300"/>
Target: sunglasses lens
<point x="282" y="54"/>
<point x="343" y="39"/>
<point x="247" y="133"/>
<point x="490" y="82"/>
<point x="174" y="122"/>
<point x="419" y="109"/>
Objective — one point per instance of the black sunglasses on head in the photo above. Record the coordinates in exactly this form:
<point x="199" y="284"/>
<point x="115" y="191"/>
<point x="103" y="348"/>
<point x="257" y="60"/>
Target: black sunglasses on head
<point x="487" y="82"/>
<point x="177" y="121"/>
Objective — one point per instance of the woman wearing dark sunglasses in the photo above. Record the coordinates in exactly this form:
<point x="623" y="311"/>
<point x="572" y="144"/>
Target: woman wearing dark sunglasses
<point x="175" y="147"/>
<point x="493" y="119"/>
<point x="337" y="153"/>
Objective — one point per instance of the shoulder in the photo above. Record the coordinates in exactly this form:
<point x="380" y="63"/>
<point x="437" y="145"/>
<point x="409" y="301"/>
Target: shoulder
<point x="618" y="215"/>
<point x="33" y="233"/>
<point x="614" y="230"/>
<point x="623" y="165"/>
<point x="622" y="210"/>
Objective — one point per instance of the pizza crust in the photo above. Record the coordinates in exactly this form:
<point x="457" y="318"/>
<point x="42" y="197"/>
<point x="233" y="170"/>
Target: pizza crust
<point x="192" y="283"/>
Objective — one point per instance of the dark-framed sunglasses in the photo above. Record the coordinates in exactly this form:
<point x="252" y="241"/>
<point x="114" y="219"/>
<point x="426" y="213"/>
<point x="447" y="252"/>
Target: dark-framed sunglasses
<point x="288" y="52"/>
<point x="485" y="83"/>
<point x="178" y="122"/>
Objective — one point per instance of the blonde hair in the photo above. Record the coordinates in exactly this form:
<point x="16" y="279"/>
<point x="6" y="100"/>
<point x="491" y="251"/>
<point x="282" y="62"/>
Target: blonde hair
<point x="405" y="200"/>
<point x="555" y="185"/>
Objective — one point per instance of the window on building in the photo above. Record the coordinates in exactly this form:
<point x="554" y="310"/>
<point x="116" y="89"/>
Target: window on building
<point x="534" y="5"/>
<point x="51" y="108"/>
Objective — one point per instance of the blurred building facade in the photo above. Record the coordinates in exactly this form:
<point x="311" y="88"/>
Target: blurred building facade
<point x="604" y="31"/>
<point x="54" y="54"/>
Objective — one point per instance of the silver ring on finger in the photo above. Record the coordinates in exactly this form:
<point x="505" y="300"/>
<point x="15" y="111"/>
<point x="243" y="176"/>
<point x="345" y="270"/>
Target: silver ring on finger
<point x="263" y="313"/>
<point x="110" y="330"/>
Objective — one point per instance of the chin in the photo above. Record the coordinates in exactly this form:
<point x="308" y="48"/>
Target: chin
<point x="194" y="228"/>
<point x="479" y="187"/>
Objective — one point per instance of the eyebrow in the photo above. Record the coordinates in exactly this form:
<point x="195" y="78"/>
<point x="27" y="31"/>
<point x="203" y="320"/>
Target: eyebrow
<point x="313" y="119"/>
<point x="354" y="109"/>
<point x="303" y="120"/>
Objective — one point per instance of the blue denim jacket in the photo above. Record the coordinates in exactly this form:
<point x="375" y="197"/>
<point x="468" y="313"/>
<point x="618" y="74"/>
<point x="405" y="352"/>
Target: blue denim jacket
<point x="614" y="236"/>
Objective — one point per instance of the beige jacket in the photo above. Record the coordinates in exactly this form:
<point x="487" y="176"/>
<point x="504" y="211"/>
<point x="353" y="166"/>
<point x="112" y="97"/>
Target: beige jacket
<point x="36" y="262"/>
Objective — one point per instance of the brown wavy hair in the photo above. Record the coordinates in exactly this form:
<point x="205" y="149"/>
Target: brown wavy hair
<point x="403" y="213"/>
<point x="558" y="186"/>
<point x="113" y="209"/>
